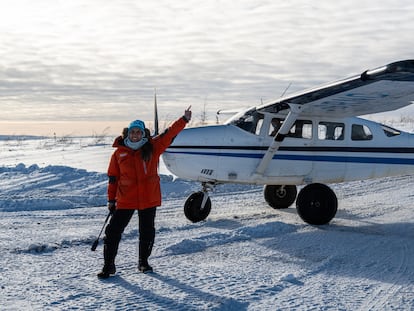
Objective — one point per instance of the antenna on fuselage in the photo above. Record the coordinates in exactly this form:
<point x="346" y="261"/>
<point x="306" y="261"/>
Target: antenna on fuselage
<point x="284" y="92"/>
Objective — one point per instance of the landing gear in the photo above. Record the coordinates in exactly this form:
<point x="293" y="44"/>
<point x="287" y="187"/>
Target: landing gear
<point x="316" y="204"/>
<point x="198" y="205"/>
<point x="278" y="196"/>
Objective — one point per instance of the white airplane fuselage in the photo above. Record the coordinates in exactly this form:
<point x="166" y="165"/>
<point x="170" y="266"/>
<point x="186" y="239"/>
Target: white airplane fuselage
<point x="324" y="151"/>
<point x="309" y="138"/>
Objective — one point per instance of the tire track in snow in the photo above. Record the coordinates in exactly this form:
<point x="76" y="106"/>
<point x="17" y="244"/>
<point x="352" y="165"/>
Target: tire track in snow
<point x="397" y="280"/>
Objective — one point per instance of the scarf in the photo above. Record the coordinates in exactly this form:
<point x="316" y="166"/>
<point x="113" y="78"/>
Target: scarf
<point x="135" y="145"/>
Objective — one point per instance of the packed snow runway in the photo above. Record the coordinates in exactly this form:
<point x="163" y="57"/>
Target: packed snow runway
<point x="246" y="256"/>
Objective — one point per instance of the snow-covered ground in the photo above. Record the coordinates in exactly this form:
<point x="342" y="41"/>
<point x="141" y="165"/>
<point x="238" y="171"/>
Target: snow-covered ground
<point x="245" y="256"/>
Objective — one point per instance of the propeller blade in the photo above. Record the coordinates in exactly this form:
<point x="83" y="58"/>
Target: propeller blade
<point x="156" y="128"/>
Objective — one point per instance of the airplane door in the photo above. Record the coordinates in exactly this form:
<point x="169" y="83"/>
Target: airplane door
<point x="293" y="159"/>
<point x="241" y="148"/>
<point x="329" y="140"/>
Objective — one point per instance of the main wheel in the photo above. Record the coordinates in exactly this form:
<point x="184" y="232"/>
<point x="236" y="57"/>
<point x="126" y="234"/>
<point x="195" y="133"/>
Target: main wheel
<point x="278" y="196"/>
<point x="316" y="204"/>
<point x="192" y="207"/>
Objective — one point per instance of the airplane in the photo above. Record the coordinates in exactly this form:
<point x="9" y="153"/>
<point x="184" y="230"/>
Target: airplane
<point x="311" y="138"/>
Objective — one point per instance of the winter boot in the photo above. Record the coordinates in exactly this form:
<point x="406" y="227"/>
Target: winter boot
<point x="107" y="271"/>
<point x="109" y="253"/>
<point x="145" y="249"/>
<point x="143" y="266"/>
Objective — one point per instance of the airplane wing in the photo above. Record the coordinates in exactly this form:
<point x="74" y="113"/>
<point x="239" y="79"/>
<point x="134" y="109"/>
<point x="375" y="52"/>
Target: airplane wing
<point x="382" y="89"/>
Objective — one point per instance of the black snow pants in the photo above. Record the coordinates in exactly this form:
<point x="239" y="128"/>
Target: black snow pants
<point x="117" y="225"/>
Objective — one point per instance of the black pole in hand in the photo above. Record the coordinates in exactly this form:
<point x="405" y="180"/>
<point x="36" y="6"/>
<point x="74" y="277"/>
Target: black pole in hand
<point x="96" y="242"/>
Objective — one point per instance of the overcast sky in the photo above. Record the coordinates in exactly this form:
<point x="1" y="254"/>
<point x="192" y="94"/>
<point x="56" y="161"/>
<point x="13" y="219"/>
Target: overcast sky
<point x="101" y="60"/>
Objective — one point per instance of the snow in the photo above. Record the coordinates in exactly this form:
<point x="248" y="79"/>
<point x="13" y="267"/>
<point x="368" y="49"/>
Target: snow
<point x="245" y="256"/>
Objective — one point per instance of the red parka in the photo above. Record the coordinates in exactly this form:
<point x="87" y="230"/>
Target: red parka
<point x="133" y="182"/>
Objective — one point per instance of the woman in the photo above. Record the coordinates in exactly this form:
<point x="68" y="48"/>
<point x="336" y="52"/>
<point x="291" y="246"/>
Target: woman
<point x="134" y="184"/>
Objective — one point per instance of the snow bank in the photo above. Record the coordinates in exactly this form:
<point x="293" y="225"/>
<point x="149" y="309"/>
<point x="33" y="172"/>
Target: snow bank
<point x="51" y="187"/>
<point x="56" y="187"/>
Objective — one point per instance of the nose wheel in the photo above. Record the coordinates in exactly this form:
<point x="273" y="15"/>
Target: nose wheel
<point x="198" y="205"/>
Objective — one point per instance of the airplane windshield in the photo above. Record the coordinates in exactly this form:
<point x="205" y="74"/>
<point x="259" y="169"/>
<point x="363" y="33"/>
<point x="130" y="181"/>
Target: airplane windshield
<point x="250" y="121"/>
<point x="238" y="116"/>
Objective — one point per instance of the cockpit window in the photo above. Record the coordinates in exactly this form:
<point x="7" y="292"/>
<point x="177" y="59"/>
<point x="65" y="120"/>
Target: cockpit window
<point x="360" y="132"/>
<point x="275" y="125"/>
<point x="389" y="131"/>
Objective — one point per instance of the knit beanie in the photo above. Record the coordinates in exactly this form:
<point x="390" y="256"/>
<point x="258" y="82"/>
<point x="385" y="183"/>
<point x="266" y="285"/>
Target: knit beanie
<point x="137" y="124"/>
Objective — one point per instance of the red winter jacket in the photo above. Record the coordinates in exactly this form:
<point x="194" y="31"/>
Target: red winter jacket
<point x="134" y="183"/>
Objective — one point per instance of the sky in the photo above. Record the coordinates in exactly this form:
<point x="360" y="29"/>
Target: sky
<point x="84" y="66"/>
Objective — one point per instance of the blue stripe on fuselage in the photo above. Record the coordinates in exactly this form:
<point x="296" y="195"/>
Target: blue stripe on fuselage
<point x="305" y="157"/>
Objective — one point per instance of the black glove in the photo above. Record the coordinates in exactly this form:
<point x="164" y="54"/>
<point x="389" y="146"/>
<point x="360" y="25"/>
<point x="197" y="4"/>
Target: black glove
<point x="111" y="206"/>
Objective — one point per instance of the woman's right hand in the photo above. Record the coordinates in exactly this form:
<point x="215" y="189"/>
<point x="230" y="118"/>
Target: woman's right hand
<point x="111" y="206"/>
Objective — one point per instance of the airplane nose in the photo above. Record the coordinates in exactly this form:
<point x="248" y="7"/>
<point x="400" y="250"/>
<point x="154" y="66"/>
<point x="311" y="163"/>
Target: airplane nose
<point x="169" y="162"/>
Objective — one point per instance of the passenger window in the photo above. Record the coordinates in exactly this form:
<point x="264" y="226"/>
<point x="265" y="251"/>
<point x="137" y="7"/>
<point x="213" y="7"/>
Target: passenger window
<point x="331" y="131"/>
<point x="390" y="132"/>
<point x="301" y="129"/>
<point x="360" y="132"/>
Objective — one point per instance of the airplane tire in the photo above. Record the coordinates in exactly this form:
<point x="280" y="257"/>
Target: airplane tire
<point x="279" y="197"/>
<point x="192" y="207"/>
<point x="316" y="204"/>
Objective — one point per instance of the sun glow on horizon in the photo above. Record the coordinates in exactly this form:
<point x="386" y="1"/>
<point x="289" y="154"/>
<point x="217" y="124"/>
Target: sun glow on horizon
<point x="95" y="60"/>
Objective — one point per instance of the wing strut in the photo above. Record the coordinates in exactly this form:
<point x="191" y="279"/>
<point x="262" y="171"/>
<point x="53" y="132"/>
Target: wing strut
<point x="295" y="111"/>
